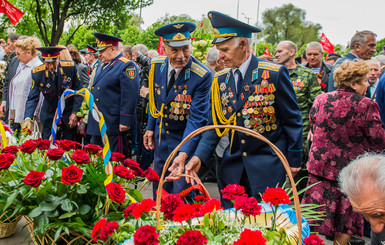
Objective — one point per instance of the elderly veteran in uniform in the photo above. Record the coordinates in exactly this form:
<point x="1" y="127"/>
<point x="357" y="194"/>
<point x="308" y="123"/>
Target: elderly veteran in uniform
<point x="91" y="56"/>
<point x="52" y="79"/>
<point x="179" y="101"/>
<point x="115" y="88"/>
<point x="255" y="94"/>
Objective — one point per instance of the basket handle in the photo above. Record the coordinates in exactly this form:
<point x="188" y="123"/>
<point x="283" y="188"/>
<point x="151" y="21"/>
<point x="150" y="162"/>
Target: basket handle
<point x="250" y="133"/>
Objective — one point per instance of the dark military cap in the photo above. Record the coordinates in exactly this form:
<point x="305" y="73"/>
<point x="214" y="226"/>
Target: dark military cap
<point x="50" y="54"/>
<point x="91" y="50"/>
<point x="226" y="27"/>
<point x="104" y="41"/>
<point x="176" y="34"/>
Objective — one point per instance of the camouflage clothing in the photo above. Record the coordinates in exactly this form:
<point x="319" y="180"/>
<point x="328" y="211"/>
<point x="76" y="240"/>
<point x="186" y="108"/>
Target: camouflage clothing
<point x="306" y="88"/>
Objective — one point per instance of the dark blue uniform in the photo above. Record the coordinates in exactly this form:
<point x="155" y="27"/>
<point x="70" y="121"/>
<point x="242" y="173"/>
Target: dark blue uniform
<point x="186" y="109"/>
<point x="271" y="110"/>
<point x="116" y="90"/>
<point x="52" y="86"/>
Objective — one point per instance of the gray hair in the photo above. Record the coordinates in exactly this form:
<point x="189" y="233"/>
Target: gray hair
<point x="238" y="39"/>
<point x="290" y="45"/>
<point x="212" y="55"/>
<point x="141" y="48"/>
<point x="315" y="45"/>
<point x="381" y="59"/>
<point x="360" y="38"/>
<point x="373" y="60"/>
<point x="153" y="52"/>
<point x="369" y="166"/>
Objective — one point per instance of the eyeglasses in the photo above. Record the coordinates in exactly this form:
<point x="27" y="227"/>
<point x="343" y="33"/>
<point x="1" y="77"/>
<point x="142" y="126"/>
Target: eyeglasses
<point x="17" y="54"/>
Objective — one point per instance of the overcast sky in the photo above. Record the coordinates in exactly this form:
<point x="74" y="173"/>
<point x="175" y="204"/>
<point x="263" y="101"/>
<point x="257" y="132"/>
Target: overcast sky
<point x="339" y="19"/>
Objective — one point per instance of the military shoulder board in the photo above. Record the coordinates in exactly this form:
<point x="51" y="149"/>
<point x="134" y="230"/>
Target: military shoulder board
<point x="158" y="59"/>
<point x="197" y="69"/>
<point x="67" y="63"/>
<point x="39" y="68"/>
<point x="124" y="59"/>
<point x="268" y="66"/>
<point x="224" y="71"/>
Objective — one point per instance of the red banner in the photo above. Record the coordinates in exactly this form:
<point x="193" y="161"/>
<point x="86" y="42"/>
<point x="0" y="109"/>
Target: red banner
<point x="14" y="15"/>
<point x="266" y="50"/>
<point x="326" y="44"/>
<point x="160" y="46"/>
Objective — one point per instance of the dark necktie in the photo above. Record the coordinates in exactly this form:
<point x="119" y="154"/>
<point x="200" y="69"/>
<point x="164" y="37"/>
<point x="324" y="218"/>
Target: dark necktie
<point x="239" y="82"/>
<point x="172" y="80"/>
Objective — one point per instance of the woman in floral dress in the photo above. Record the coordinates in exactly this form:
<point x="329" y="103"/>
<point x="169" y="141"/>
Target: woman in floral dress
<point x="345" y="124"/>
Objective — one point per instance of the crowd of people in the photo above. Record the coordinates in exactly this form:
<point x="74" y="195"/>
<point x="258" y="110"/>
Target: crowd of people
<point x="322" y="114"/>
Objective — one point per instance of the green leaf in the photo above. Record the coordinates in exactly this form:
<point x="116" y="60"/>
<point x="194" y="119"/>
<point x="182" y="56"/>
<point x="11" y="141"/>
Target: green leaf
<point x="10" y="200"/>
<point x="84" y="209"/>
<point x="67" y="215"/>
<point x="81" y="190"/>
<point x="137" y="195"/>
<point x="57" y="233"/>
<point x="47" y="207"/>
<point x="35" y="212"/>
<point x="53" y="214"/>
<point x="66" y="205"/>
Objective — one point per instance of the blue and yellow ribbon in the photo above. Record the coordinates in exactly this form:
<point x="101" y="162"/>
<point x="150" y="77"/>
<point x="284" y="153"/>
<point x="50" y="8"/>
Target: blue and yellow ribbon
<point x="3" y="136"/>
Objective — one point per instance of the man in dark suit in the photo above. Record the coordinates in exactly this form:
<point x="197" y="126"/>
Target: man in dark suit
<point x="116" y="90"/>
<point x="256" y="94"/>
<point x="362" y="46"/>
<point x="52" y="79"/>
<point x="12" y="69"/>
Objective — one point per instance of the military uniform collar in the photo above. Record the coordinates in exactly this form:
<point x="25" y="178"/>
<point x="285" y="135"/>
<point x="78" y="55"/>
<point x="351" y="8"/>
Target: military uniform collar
<point x="243" y="68"/>
<point x="170" y="68"/>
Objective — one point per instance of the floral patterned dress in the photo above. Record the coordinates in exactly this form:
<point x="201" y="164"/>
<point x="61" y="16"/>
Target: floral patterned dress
<point x="345" y="125"/>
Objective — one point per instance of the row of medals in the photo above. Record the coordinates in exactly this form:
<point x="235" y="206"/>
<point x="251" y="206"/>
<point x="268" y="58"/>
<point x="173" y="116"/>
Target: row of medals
<point x="259" y="110"/>
<point x="180" y="107"/>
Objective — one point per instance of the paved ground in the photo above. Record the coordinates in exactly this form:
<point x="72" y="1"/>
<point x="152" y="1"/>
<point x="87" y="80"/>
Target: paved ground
<point x="22" y="237"/>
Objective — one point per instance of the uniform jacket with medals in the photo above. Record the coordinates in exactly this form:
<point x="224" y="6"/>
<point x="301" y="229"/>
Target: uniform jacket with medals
<point x="267" y="104"/>
<point x="116" y="90"/>
<point x="52" y="88"/>
<point x="186" y="106"/>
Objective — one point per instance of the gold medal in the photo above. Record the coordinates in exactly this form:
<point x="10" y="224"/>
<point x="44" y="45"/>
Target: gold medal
<point x="244" y="112"/>
<point x="258" y="121"/>
<point x="185" y="92"/>
<point x="273" y="119"/>
<point x="250" y="110"/>
<point x="247" y="122"/>
<point x="256" y="97"/>
<point x="272" y="97"/>
<point x="171" y="116"/>
<point x="265" y="119"/>
<point x="256" y="111"/>
<point x="268" y="128"/>
<point x="251" y="98"/>
<point x="176" y="117"/>
<point x="230" y="109"/>
<point x="264" y="83"/>
<point x="265" y="110"/>
<point x="274" y="126"/>
<point x="271" y="109"/>
<point x="184" y="106"/>
<point x="261" y="129"/>
<point x="252" y="121"/>
<point x="181" y="117"/>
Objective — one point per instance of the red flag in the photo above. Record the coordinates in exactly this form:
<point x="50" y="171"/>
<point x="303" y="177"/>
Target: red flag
<point x="160" y="47"/>
<point x="266" y="50"/>
<point x="326" y="44"/>
<point x="13" y="13"/>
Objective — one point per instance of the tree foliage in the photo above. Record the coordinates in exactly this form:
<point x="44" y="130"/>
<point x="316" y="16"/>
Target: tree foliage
<point x="288" y="23"/>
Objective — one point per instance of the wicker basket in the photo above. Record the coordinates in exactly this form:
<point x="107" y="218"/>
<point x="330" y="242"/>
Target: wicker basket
<point x="8" y="228"/>
<point x="250" y="133"/>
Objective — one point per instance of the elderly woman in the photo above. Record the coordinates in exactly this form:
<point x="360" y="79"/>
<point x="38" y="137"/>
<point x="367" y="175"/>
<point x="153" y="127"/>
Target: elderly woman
<point x="345" y="124"/>
<point x="21" y="83"/>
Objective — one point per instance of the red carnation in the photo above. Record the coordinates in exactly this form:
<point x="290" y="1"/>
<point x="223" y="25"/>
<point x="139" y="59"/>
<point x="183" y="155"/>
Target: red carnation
<point x="116" y="192"/>
<point x="69" y="145"/>
<point x="6" y="160"/>
<point x="55" y="154"/>
<point x="276" y="196"/>
<point x="233" y="191"/>
<point x="249" y="205"/>
<point x="128" y="211"/>
<point x="200" y="198"/>
<point x="80" y="157"/>
<point x="134" y="166"/>
<point x="13" y="149"/>
<point x="144" y="206"/>
<point x="97" y="227"/>
<point x="34" y="178"/>
<point x="123" y="172"/>
<point x="71" y="174"/>
<point x="43" y="144"/>
<point x="29" y="146"/>
<point x="249" y="237"/>
<point x="184" y="212"/>
<point x="169" y="204"/>
<point x="210" y="205"/>
<point x="107" y="230"/>
<point x="146" y="235"/>
<point x="92" y="149"/>
<point x="151" y="175"/>
<point x="192" y="238"/>
<point x="117" y="157"/>
<point x="313" y="239"/>
<point x="27" y="131"/>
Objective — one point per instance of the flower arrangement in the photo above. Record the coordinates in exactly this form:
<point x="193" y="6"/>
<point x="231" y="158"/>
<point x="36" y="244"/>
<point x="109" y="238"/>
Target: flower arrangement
<point x="64" y="188"/>
<point x="200" y="48"/>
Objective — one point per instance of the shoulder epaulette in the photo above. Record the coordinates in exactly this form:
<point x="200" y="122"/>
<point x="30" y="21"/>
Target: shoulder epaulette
<point x="224" y="71"/>
<point x="124" y="59"/>
<point x="269" y="66"/>
<point x="158" y="59"/>
<point x="39" y="68"/>
<point x="197" y="69"/>
<point x="67" y="63"/>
